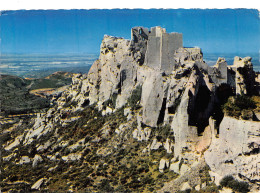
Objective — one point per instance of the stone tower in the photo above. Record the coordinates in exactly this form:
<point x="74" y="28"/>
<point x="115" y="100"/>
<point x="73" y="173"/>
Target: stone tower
<point x="157" y="47"/>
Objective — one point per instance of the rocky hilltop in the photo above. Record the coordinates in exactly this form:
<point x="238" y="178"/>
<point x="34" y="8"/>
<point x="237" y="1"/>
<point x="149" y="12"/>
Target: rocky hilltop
<point x="150" y="115"/>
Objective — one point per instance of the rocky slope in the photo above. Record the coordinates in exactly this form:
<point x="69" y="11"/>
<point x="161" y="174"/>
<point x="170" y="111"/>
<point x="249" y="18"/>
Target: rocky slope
<point x="147" y="117"/>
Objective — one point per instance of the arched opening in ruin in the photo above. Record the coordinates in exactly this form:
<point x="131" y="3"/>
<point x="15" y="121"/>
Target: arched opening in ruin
<point x="135" y="39"/>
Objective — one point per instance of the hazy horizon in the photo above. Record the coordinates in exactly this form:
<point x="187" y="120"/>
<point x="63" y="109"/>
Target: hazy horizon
<point x="81" y="31"/>
<point x="40" y="65"/>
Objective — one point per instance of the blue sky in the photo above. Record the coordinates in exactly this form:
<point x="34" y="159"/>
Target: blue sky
<point x="81" y="31"/>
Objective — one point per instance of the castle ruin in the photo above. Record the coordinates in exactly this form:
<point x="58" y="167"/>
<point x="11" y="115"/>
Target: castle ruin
<point x="157" y="46"/>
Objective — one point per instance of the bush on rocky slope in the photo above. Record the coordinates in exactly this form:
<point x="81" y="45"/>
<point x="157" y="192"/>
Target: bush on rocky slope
<point x="135" y="98"/>
<point x="235" y="185"/>
<point x="240" y="105"/>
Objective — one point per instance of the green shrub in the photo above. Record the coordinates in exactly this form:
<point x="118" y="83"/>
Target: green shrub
<point x="164" y="131"/>
<point x="135" y="98"/>
<point x="235" y="185"/>
<point x="111" y="102"/>
<point x="236" y="104"/>
<point x="239" y="105"/>
<point x="244" y="102"/>
<point x="185" y="191"/>
<point x="225" y="180"/>
<point x="5" y="137"/>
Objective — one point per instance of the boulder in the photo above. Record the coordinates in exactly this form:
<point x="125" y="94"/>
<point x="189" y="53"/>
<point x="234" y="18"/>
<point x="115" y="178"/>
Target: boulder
<point x="109" y="110"/>
<point x="155" y="144"/>
<point x="9" y="157"/>
<point x="168" y="145"/>
<point x="185" y="186"/>
<point x="16" y="142"/>
<point x="175" y="167"/>
<point x="37" y="159"/>
<point x="37" y="185"/>
<point x="236" y="151"/>
<point x="197" y="187"/>
<point x="127" y="111"/>
<point x="184" y="169"/>
<point x="71" y="157"/>
<point x="164" y="163"/>
<point x="24" y="160"/>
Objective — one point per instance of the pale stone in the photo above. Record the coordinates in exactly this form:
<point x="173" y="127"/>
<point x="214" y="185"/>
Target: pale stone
<point x="109" y="110"/>
<point x="205" y="140"/>
<point x="147" y="133"/>
<point x="44" y="146"/>
<point x="127" y="111"/>
<point x="135" y="134"/>
<point x="168" y="146"/>
<point x="9" y="157"/>
<point x="105" y="131"/>
<point x="163" y="164"/>
<point x="184" y="169"/>
<point x="232" y="152"/>
<point x="185" y="186"/>
<point x="155" y="144"/>
<point x="122" y="128"/>
<point x="175" y="167"/>
<point x="197" y="187"/>
<point x="16" y="142"/>
<point x="226" y="190"/>
<point x="37" y="185"/>
<point x="216" y="178"/>
<point x="25" y="160"/>
<point x="52" y="168"/>
<point x="129" y="117"/>
<point x="36" y="160"/>
<point x="72" y="157"/>
<point x="152" y="97"/>
<point x="79" y="143"/>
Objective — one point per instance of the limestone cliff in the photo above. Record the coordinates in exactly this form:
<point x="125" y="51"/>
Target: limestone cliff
<point x="235" y="151"/>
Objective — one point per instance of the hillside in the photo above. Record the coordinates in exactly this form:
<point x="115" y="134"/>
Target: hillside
<point x="16" y="94"/>
<point x="150" y="116"/>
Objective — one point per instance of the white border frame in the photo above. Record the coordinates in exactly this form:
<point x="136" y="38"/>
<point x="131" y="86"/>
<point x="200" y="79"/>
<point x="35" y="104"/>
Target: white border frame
<point x="121" y="4"/>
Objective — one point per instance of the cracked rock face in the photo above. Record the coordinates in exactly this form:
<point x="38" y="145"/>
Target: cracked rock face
<point x="236" y="151"/>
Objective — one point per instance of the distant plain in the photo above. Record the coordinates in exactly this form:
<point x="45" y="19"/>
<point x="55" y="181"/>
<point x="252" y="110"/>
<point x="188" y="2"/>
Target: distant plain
<point x="42" y="65"/>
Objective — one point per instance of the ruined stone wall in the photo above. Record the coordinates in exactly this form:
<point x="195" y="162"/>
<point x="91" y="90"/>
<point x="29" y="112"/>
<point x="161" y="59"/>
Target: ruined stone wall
<point x="139" y="38"/>
<point x="156" y="46"/>
<point x="169" y="44"/>
<point x="152" y="56"/>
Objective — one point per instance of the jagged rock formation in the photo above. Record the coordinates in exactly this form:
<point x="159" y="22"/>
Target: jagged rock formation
<point x="167" y="100"/>
<point x="236" y="151"/>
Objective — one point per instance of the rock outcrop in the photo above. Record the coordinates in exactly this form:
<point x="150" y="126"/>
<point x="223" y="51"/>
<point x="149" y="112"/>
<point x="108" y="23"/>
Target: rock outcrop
<point x="236" y="151"/>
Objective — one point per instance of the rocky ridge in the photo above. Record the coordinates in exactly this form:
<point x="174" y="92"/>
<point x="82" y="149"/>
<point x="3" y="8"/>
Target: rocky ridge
<point x="156" y="103"/>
